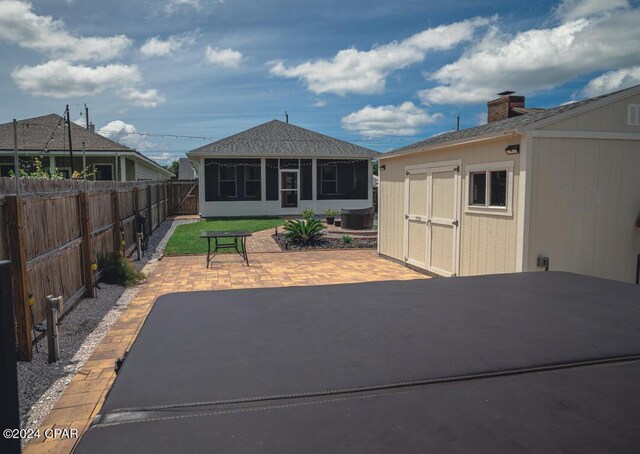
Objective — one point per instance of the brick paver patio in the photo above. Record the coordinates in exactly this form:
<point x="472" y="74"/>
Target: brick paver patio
<point x="84" y="396"/>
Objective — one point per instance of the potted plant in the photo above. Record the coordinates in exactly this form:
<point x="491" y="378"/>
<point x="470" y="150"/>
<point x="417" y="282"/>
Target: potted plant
<point x="330" y="214"/>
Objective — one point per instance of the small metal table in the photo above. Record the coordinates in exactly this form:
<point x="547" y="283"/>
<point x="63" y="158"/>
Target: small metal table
<point x="239" y="239"/>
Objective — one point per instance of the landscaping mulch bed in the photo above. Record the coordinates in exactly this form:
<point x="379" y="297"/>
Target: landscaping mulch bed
<point x="325" y="243"/>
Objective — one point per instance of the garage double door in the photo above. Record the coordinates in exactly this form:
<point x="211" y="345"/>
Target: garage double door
<point x="432" y="212"/>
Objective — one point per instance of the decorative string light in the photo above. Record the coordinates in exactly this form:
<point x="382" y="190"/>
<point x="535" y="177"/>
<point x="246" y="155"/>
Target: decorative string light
<point x="270" y="166"/>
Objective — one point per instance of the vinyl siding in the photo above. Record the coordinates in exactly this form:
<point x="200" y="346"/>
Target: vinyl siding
<point x="144" y="172"/>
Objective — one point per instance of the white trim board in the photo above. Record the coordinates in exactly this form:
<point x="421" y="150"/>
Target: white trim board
<point x="604" y="135"/>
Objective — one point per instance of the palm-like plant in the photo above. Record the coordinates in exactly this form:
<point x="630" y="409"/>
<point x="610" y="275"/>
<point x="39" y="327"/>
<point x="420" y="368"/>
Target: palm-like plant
<point x="303" y="230"/>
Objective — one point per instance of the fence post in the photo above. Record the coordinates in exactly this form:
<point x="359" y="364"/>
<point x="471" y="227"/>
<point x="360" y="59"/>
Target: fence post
<point x="10" y="414"/>
<point x="170" y="197"/>
<point x="87" y="249"/>
<point x="54" y="308"/>
<point x="117" y="235"/>
<point x="19" y="278"/>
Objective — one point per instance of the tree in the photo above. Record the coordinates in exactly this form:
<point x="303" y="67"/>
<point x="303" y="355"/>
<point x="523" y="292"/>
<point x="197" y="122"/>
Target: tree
<point x="173" y="167"/>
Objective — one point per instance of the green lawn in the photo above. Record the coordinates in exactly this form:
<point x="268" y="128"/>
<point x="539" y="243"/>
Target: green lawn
<point x="186" y="239"/>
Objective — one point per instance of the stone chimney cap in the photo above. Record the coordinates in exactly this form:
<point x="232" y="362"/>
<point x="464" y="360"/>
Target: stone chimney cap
<point x="506" y="93"/>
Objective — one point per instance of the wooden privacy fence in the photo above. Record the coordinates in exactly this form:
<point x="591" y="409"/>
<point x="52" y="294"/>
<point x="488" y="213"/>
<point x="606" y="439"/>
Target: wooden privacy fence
<point x="55" y="230"/>
<point x="184" y="196"/>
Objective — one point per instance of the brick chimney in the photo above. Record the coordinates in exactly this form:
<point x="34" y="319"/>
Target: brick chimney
<point x="502" y="107"/>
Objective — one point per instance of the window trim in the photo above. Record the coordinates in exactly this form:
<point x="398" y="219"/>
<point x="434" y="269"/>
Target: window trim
<point x="235" y="181"/>
<point x="110" y="164"/>
<point x="633" y="109"/>
<point x="335" y="181"/>
<point x="247" y="180"/>
<point x="488" y="209"/>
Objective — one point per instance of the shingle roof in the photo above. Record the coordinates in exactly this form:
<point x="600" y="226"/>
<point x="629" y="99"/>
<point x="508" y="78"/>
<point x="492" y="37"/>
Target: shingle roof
<point x="35" y="133"/>
<point x="278" y="138"/>
<point x="185" y="170"/>
<point x="496" y="127"/>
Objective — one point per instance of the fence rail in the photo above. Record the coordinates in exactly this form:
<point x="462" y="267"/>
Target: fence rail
<point x="54" y="230"/>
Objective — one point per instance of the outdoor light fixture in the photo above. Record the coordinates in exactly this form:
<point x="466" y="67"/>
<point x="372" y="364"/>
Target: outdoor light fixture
<point x="512" y="149"/>
<point x="382" y="167"/>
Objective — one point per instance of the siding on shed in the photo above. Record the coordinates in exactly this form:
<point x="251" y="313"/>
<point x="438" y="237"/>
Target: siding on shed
<point x="610" y="118"/>
<point x="584" y="204"/>
<point x="488" y="243"/>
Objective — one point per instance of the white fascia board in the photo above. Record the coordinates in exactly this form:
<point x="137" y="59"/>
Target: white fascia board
<point x="205" y="154"/>
<point x="455" y="143"/>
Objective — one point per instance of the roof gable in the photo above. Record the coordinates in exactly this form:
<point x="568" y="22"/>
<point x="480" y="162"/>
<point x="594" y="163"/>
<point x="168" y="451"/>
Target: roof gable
<point x="276" y="138"/>
<point x="49" y="133"/>
<point x="534" y="119"/>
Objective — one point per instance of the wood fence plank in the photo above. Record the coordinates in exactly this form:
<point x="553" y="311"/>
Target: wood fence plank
<point x="87" y="249"/>
<point x="117" y="225"/>
<point x="17" y="248"/>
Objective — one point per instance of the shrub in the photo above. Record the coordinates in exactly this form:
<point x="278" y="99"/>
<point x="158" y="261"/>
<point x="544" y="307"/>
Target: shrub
<point x="118" y="270"/>
<point x="308" y="214"/>
<point x="330" y="213"/>
<point x="303" y="231"/>
<point x="347" y="239"/>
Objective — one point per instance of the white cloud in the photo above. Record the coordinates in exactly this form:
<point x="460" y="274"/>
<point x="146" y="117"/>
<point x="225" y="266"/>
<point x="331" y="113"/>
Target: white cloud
<point x="403" y="120"/>
<point x="576" y="9"/>
<point x="320" y="103"/>
<point x="537" y="59"/>
<point x="148" y="98"/>
<point x="125" y="134"/>
<point x="365" y="72"/>
<point x="162" y="157"/>
<point x="156" y="47"/>
<point x="172" y="6"/>
<point x="612" y="81"/>
<point x="20" y="25"/>
<point x="60" y="79"/>
<point x="227" y="58"/>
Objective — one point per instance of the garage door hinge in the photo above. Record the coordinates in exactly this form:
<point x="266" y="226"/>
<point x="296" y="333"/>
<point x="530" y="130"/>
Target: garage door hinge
<point x="456" y="169"/>
<point x="455" y="223"/>
<point x="407" y="172"/>
<point x="406" y="216"/>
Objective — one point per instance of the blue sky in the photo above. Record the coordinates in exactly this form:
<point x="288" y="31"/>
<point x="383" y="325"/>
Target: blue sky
<point x="380" y="74"/>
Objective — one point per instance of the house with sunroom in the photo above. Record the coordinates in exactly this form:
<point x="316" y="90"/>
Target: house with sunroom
<point x="532" y="189"/>
<point x="277" y="168"/>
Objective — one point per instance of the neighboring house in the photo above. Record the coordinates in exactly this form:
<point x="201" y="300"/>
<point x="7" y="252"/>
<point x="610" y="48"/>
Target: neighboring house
<point x="278" y="168"/>
<point x="47" y="138"/>
<point x="186" y="170"/>
<point x="561" y="183"/>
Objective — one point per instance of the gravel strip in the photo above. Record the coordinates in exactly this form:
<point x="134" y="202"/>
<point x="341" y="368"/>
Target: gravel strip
<point x="41" y="384"/>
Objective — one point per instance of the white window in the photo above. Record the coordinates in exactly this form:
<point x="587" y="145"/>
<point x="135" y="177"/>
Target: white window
<point x="489" y="188"/>
<point x="633" y="114"/>
<point x="102" y="172"/>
